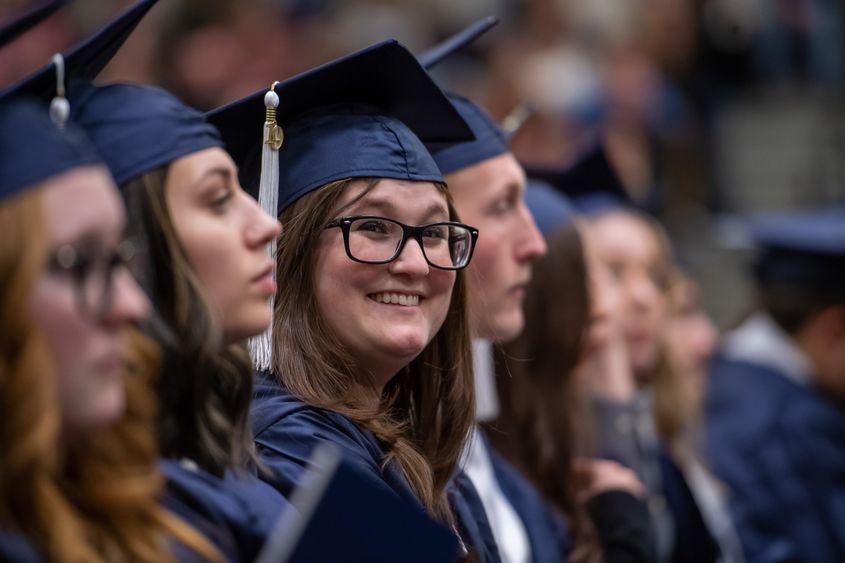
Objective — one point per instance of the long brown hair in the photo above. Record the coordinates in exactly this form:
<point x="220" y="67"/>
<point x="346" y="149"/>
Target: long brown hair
<point x="204" y="389"/>
<point x="425" y="411"/>
<point x="93" y="498"/>
<point x="537" y="429"/>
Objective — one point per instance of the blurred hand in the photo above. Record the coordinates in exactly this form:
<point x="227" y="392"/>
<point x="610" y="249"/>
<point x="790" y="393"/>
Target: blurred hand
<point x="601" y="475"/>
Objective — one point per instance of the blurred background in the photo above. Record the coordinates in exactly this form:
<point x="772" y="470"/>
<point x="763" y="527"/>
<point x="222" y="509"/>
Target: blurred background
<point x="711" y="110"/>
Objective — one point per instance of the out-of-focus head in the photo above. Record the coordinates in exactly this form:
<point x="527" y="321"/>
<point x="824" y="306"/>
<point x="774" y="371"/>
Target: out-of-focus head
<point x="636" y="254"/>
<point x="488" y="185"/>
<point x="60" y="204"/>
<point x="800" y="272"/>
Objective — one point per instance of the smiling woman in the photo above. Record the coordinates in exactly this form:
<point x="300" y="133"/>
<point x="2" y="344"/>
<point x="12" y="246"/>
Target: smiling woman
<point x="370" y="347"/>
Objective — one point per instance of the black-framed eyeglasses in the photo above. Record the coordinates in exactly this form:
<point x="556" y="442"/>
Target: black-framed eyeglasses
<point x="92" y="273"/>
<point x="370" y="239"/>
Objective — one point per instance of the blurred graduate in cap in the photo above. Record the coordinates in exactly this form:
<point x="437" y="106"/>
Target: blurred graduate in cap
<point x="639" y="394"/>
<point x="209" y="277"/>
<point x="370" y="345"/>
<point x="79" y="480"/>
<point x="775" y="419"/>
<point x="543" y="423"/>
<point x="488" y="185"/>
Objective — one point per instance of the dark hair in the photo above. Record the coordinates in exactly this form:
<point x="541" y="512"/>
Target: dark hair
<point x="537" y="429"/>
<point x="425" y="411"/>
<point x="204" y="389"/>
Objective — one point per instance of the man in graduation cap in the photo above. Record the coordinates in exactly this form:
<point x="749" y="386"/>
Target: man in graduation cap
<point x="775" y="418"/>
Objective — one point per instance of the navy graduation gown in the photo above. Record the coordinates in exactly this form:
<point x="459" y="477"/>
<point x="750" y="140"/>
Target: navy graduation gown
<point x="14" y="548"/>
<point x="780" y="446"/>
<point x="287" y="430"/>
<point x="546" y="529"/>
<point x="236" y="512"/>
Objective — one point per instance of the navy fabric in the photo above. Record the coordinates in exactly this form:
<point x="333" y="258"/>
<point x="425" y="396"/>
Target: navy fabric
<point x="33" y="148"/>
<point x="550" y="208"/>
<point x="336" y="531"/>
<point x="693" y="541"/>
<point x="456" y="42"/>
<point x="489" y="140"/>
<point x="473" y="525"/>
<point x="241" y="508"/>
<point x="287" y="431"/>
<point x="85" y="60"/>
<point x="780" y="447"/>
<point x="352" y="117"/>
<point x="138" y="128"/>
<point x="801" y="249"/>
<point x="547" y="533"/>
<point x="590" y="182"/>
<point x="13" y="29"/>
<point x="14" y="548"/>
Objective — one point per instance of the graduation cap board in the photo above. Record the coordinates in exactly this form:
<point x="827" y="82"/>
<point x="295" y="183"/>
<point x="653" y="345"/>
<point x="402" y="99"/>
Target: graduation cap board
<point x="87" y="59"/>
<point x="365" y="114"/>
<point x="34" y="149"/>
<point x="339" y="516"/>
<point x="454" y="43"/>
<point x="13" y="29"/>
<point x="590" y="182"/>
<point x="801" y="249"/>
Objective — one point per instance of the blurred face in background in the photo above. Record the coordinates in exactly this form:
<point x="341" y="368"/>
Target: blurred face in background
<point x="605" y="318"/>
<point x="636" y="262"/>
<point x="86" y="299"/>
<point x="490" y="196"/>
<point x="690" y="334"/>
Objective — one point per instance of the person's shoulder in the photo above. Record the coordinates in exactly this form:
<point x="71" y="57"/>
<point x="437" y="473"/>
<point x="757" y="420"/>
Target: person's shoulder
<point x="274" y="405"/>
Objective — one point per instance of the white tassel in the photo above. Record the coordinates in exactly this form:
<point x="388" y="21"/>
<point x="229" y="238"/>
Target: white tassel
<point x="261" y="346"/>
<point x="59" y="106"/>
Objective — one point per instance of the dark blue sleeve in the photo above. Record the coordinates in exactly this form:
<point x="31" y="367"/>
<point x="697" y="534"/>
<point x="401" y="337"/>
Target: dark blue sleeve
<point x="779" y="447"/>
<point x="285" y="446"/>
<point x="236" y="512"/>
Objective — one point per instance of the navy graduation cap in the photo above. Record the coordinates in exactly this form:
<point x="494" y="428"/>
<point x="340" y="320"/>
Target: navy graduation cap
<point x="365" y="114"/>
<point x="139" y="128"/>
<point x="801" y="249"/>
<point x="33" y="148"/>
<point x="85" y="60"/>
<point x="11" y="30"/>
<point x="590" y="182"/>
<point x="490" y="140"/>
<point x="550" y="208"/>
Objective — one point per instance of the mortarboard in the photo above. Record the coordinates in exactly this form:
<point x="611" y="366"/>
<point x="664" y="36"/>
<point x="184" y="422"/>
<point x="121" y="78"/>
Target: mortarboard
<point x="590" y="183"/>
<point x="365" y="114"/>
<point x="11" y="30"/>
<point x="490" y="140"/>
<point x="139" y="128"/>
<point x="85" y="60"/>
<point x="434" y="55"/>
<point x="550" y="208"/>
<point x="801" y="249"/>
<point x="33" y="148"/>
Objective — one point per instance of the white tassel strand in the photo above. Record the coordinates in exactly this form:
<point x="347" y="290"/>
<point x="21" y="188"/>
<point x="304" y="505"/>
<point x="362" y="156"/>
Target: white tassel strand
<point x="59" y="106"/>
<point x="261" y="346"/>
